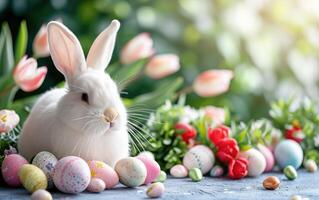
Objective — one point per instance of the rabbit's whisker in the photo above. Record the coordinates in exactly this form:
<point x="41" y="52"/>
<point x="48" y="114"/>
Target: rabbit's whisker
<point x="138" y="140"/>
<point x="140" y="128"/>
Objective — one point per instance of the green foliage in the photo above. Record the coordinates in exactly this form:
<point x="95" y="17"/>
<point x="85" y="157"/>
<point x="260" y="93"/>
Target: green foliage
<point x="22" y="40"/>
<point x="6" y="50"/>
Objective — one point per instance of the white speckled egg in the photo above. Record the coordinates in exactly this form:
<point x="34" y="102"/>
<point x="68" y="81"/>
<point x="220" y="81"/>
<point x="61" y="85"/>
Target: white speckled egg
<point x="256" y="161"/>
<point x="71" y="175"/>
<point x="155" y="190"/>
<point x="179" y="171"/>
<point x="132" y="171"/>
<point x="96" y="185"/>
<point x="288" y="152"/>
<point x="201" y="157"/>
<point x="41" y="195"/>
<point x="46" y="162"/>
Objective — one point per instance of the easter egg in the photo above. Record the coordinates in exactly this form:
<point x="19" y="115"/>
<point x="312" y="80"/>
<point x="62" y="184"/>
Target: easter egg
<point x="200" y="157"/>
<point x="152" y="167"/>
<point x="96" y="185"/>
<point x="46" y="162"/>
<point x="32" y="178"/>
<point x="288" y="152"/>
<point x="270" y="159"/>
<point x="41" y="195"/>
<point x="71" y="174"/>
<point x="103" y="171"/>
<point x="256" y="161"/>
<point x="146" y="154"/>
<point x="216" y="171"/>
<point x="179" y="171"/>
<point x="10" y="168"/>
<point x="155" y="190"/>
<point x="132" y="171"/>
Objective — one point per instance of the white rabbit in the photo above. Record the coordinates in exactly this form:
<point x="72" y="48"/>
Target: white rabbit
<point x="87" y="118"/>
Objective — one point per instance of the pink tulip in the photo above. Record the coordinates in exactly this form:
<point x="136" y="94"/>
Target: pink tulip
<point x="40" y="43"/>
<point x="162" y="65"/>
<point x="218" y="115"/>
<point x="8" y="120"/>
<point x="27" y="76"/>
<point x="212" y="82"/>
<point x="141" y="46"/>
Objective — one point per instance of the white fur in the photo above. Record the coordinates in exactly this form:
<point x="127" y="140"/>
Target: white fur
<point x="60" y="122"/>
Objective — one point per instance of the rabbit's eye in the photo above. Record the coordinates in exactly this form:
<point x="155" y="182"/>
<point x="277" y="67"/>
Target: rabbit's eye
<point x="85" y="97"/>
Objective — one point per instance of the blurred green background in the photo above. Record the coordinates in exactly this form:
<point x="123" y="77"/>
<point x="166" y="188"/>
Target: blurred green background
<point x="271" y="45"/>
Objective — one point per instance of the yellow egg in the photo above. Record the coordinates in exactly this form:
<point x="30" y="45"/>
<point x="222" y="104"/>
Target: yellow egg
<point x="32" y="178"/>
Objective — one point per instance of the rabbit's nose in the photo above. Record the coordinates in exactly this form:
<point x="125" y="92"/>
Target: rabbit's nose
<point x="110" y="114"/>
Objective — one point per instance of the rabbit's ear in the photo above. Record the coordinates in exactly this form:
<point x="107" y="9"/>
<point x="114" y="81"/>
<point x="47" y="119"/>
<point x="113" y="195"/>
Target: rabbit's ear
<point x="102" y="48"/>
<point x="65" y="50"/>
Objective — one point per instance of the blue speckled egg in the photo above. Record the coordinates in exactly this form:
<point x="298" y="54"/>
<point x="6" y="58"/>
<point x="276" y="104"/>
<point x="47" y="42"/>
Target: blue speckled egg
<point x="288" y="152"/>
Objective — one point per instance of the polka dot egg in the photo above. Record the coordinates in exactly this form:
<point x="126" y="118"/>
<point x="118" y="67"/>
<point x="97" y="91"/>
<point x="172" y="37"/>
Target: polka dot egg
<point x="10" y="168"/>
<point x="200" y="157"/>
<point x="46" y="162"/>
<point x="71" y="175"/>
<point x="132" y="171"/>
<point x="103" y="171"/>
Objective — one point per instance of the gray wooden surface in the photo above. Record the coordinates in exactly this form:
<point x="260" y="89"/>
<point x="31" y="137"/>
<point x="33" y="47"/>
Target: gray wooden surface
<point x="306" y="185"/>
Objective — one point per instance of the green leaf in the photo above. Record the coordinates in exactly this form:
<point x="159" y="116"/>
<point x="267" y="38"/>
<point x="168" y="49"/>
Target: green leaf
<point x="22" y="41"/>
<point x="6" y="56"/>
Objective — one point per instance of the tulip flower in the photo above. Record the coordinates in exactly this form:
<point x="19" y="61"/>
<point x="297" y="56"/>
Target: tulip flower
<point x="27" y="76"/>
<point x="139" y="47"/>
<point x="162" y="65"/>
<point x="212" y="82"/>
<point x="227" y="149"/>
<point x="40" y="43"/>
<point x="218" y="115"/>
<point x="295" y="133"/>
<point x="238" y="168"/>
<point x="218" y="133"/>
<point x="8" y="120"/>
<point x="187" y="131"/>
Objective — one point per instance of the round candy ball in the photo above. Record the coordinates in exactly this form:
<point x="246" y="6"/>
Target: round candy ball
<point x="179" y="171"/>
<point x="46" y="162"/>
<point x="10" y="168"/>
<point x="132" y="171"/>
<point x="32" y="178"/>
<point x="71" y="175"/>
<point x="41" y="195"/>
<point x="269" y="156"/>
<point x="256" y="162"/>
<point x="152" y="167"/>
<point x="288" y="152"/>
<point x="200" y="157"/>
<point x="155" y="190"/>
<point x="96" y="185"/>
<point x="103" y="171"/>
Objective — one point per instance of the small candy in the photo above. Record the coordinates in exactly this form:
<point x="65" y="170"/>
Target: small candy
<point x="296" y="197"/>
<point x="179" y="171"/>
<point x="32" y="178"/>
<point x="290" y="172"/>
<point x="41" y="195"/>
<point x="96" y="185"/>
<point x="161" y="178"/>
<point x="146" y="154"/>
<point x="311" y="166"/>
<point x="271" y="183"/>
<point x="195" y="174"/>
<point x="216" y="171"/>
<point x="155" y="190"/>
<point x="152" y="167"/>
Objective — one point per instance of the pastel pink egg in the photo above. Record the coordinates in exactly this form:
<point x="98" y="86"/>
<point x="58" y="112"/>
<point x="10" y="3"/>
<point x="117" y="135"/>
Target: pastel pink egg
<point x="269" y="156"/>
<point x="103" y="171"/>
<point x="96" y="185"/>
<point x="71" y="175"/>
<point x="10" y="169"/>
<point x="152" y="167"/>
<point x="179" y="171"/>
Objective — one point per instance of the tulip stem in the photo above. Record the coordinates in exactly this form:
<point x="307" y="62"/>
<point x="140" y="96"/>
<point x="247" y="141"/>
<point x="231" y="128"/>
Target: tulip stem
<point x="12" y="94"/>
<point x="184" y="91"/>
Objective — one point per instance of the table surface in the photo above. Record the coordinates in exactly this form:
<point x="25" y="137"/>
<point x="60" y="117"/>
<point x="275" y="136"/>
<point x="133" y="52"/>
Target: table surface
<point x="305" y="185"/>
